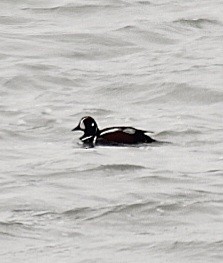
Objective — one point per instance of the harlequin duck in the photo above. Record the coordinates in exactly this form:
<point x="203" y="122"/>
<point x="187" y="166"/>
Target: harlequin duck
<point x="110" y="136"/>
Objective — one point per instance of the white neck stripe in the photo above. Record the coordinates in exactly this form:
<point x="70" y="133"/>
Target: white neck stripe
<point x="86" y="138"/>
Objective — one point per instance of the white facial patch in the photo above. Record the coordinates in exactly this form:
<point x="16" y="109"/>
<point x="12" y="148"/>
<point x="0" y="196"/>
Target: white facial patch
<point x="82" y="126"/>
<point x="129" y="131"/>
<point x="92" y="124"/>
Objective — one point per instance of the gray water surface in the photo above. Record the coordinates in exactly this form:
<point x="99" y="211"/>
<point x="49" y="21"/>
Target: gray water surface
<point x="154" y="65"/>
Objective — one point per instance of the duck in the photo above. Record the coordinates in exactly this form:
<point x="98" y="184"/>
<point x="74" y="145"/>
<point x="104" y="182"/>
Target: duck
<point x="118" y="135"/>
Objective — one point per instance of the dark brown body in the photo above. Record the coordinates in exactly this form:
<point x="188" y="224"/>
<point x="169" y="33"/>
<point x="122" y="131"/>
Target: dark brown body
<point x="122" y="137"/>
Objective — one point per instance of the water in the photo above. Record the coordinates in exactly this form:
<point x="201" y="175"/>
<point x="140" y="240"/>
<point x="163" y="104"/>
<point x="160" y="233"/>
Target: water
<point x="155" y="65"/>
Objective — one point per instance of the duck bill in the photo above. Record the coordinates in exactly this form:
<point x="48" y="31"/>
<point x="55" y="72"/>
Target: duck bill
<point x="76" y="128"/>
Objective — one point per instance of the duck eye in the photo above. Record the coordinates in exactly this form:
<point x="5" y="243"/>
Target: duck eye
<point x="92" y="124"/>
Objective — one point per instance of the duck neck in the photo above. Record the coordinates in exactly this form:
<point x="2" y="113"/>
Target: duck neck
<point x="90" y="136"/>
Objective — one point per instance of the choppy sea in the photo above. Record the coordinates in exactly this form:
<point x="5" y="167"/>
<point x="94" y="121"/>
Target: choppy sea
<point x="155" y="65"/>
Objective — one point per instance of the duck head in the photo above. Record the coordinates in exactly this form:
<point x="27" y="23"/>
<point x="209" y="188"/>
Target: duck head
<point x="90" y="128"/>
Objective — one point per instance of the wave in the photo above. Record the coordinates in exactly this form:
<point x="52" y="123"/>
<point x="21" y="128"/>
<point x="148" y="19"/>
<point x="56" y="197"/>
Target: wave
<point x="197" y="23"/>
<point x="117" y="167"/>
<point x="78" y="8"/>
<point x="10" y="20"/>
<point x="181" y="92"/>
<point x="98" y="112"/>
<point x="179" y="133"/>
<point x="87" y="213"/>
